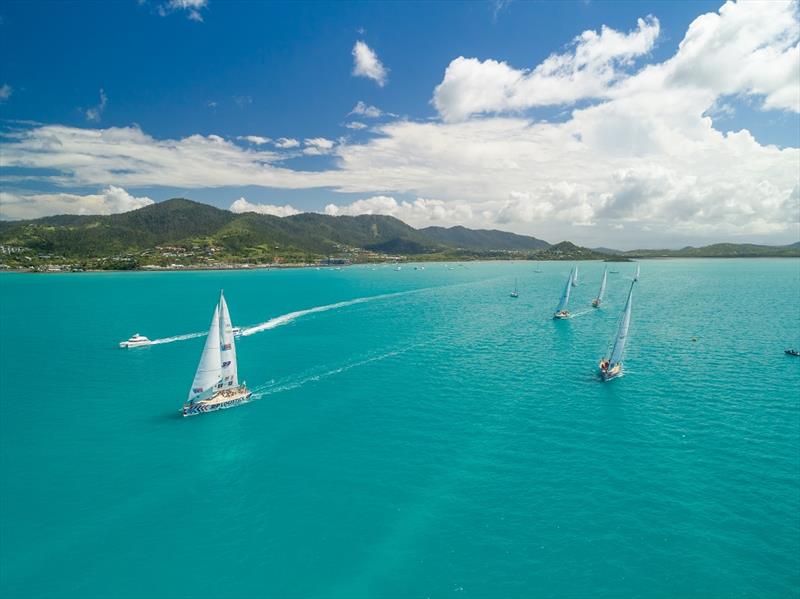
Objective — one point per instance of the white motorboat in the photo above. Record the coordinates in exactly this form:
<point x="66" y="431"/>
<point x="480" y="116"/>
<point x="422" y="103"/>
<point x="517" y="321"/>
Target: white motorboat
<point x="136" y="340"/>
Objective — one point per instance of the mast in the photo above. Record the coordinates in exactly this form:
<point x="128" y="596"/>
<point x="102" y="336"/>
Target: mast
<point x="209" y="370"/>
<point x="227" y="347"/>
<point x="622" y="333"/>
<point x="603" y="285"/>
<point x="565" y="295"/>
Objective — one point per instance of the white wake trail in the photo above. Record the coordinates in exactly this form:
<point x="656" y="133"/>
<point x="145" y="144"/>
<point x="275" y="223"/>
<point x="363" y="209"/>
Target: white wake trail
<point x="178" y="338"/>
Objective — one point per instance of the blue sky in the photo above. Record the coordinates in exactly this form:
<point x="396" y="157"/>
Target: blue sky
<point x="176" y="69"/>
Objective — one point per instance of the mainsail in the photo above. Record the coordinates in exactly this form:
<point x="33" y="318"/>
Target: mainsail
<point x="229" y="375"/>
<point x="209" y="370"/>
<point x="603" y="285"/>
<point x="575" y="277"/>
<point x="565" y="296"/>
<point x="622" y="333"/>
<point x="636" y="276"/>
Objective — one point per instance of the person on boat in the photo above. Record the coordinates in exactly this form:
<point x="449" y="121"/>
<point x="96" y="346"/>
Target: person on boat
<point x="604" y="365"/>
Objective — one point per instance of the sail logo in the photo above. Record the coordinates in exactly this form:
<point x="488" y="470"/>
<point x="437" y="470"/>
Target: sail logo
<point x="226" y="346"/>
<point x="197" y="390"/>
<point x="226" y="364"/>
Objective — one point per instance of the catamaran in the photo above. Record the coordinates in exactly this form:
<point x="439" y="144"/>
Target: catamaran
<point x="216" y="382"/>
<point x="561" y="311"/>
<point x="611" y="368"/>
<point x="636" y="276"/>
<point x="599" y="299"/>
<point x="515" y="293"/>
<point x="575" y="277"/>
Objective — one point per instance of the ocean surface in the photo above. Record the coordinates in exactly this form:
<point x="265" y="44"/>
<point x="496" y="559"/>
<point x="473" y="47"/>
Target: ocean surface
<point x="417" y="433"/>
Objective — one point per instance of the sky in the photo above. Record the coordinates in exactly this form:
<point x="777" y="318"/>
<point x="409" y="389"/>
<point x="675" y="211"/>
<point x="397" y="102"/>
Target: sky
<point x="617" y="124"/>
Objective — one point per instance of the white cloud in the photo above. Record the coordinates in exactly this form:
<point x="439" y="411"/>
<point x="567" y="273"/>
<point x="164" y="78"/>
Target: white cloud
<point x="241" y="205"/>
<point x="355" y="125"/>
<point x="317" y="146"/>
<point x="419" y="212"/>
<point x="365" y="110"/>
<point x="588" y="70"/>
<point x="5" y="92"/>
<point x="94" y="113"/>
<point x="286" y="143"/>
<point x="111" y="200"/>
<point x="366" y="64"/>
<point x="192" y="8"/>
<point x="255" y="139"/>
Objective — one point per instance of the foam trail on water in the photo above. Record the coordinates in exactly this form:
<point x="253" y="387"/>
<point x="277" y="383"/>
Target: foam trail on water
<point x="178" y="338"/>
<point x="291" y="316"/>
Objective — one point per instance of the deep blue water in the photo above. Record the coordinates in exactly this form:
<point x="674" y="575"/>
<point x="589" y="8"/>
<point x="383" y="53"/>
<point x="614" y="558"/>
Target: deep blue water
<point x="445" y="442"/>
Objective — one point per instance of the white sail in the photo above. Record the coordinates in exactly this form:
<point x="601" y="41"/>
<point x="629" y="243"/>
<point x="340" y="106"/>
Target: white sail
<point x="209" y="370"/>
<point x="575" y="277"/>
<point x="229" y="374"/>
<point x="603" y="285"/>
<point x="636" y="276"/>
<point x="565" y="296"/>
<point x="622" y="333"/>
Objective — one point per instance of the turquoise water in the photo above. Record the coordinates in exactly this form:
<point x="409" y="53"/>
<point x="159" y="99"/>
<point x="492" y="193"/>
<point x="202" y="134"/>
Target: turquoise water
<point x="445" y="441"/>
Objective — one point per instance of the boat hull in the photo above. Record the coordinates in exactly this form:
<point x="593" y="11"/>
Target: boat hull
<point x="217" y="402"/>
<point x="561" y="315"/>
<point x="127" y="345"/>
<point x="608" y="375"/>
<point x="596" y="303"/>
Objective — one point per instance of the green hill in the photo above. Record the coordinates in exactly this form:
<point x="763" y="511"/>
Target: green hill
<point x="483" y="239"/>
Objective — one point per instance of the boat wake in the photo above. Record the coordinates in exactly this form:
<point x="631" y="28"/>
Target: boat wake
<point x="583" y="313"/>
<point x="178" y="338"/>
<point x="273" y="387"/>
<point x="292" y="316"/>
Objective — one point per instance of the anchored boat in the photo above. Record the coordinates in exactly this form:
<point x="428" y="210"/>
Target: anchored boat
<point x="599" y="299"/>
<point x="515" y="293"/>
<point x="561" y="311"/>
<point x="611" y="368"/>
<point x="216" y="382"/>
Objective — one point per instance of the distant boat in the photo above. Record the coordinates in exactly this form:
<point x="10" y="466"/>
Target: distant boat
<point x="599" y="299"/>
<point x="636" y="276"/>
<point x="614" y="272"/>
<point x="561" y="311"/>
<point x="792" y="352"/>
<point x="237" y="331"/>
<point x="611" y="368"/>
<point x="538" y="267"/>
<point x="575" y="277"/>
<point x="398" y="268"/>
<point x="216" y="382"/>
<point x="515" y="293"/>
<point x="136" y="340"/>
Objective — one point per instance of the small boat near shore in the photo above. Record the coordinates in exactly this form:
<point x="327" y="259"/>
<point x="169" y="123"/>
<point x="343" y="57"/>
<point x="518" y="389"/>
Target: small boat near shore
<point x="561" y="311"/>
<point x="515" y="293"/>
<point x="216" y="382"/>
<point x="611" y="368"/>
<point x="136" y="340"/>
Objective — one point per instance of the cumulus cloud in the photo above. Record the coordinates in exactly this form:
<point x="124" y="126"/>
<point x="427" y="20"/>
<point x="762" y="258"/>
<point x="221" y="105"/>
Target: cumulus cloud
<point x="242" y="205"/>
<point x="366" y="64"/>
<point x="5" y="92"/>
<point x="286" y="143"/>
<point x="365" y="110"/>
<point x="419" y="212"/>
<point x="255" y="139"/>
<point x="316" y="146"/>
<point x="355" y="125"/>
<point x="111" y="200"/>
<point x="94" y="113"/>
<point x="192" y="8"/>
<point x="588" y="70"/>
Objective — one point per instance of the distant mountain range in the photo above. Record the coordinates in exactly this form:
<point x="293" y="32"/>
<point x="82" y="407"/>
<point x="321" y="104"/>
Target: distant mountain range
<point x="195" y="231"/>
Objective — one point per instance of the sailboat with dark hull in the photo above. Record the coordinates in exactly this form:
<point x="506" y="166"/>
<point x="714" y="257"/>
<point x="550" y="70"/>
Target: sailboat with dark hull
<point x="216" y="382"/>
<point x="611" y="368"/>
<point x="599" y="299"/>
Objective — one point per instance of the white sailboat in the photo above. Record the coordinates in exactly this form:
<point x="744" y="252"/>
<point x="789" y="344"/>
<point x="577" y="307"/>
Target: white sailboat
<point x="575" y="277"/>
<point x="599" y="299"/>
<point x="216" y="382"/>
<point x="515" y="293"/>
<point x="636" y="276"/>
<point x="611" y="368"/>
<point x="561" y="311"/>
<point x="538" y="267"/>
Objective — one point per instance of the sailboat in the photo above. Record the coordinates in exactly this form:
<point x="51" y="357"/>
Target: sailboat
<point x="611" y="368"/>
<point x="599" y="299"/>
<point x="575" y="277"/>
<point x="561" y="311"/>
<point x="636" y="276"/>
<point x="216" y="382"/>
<point x="515" y="293"/>
<point x="538" y="267"/>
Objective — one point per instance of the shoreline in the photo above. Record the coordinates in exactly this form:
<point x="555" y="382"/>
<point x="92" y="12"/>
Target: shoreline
<point x="240" y="267"/>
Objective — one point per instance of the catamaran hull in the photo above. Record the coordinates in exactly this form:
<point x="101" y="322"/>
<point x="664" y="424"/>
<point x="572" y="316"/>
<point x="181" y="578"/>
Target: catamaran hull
<point x="203" y="407"/>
